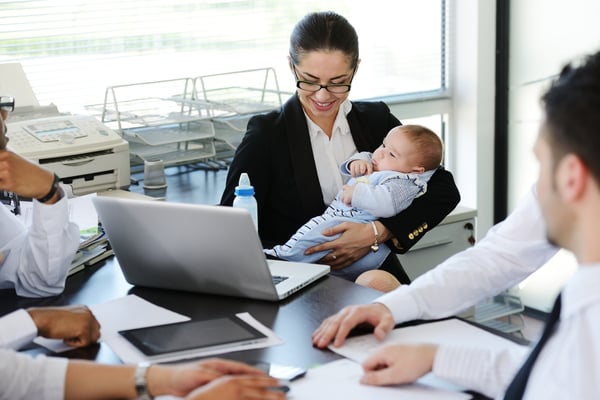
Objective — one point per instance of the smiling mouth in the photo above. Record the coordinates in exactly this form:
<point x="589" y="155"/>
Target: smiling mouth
<point x="323" y="105"/>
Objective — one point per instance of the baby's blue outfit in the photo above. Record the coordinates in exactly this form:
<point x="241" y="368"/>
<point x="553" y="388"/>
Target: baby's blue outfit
<point x="385" y="194"/>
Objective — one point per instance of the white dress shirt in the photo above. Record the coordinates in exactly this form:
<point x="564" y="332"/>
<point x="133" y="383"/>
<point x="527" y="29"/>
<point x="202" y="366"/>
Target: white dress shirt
<point x="329" y="153"/>
<point x="35" y="261"/>
<point x="568" y="365"/>
<point x="511" y="251"/>
<point x="21" y="376"/>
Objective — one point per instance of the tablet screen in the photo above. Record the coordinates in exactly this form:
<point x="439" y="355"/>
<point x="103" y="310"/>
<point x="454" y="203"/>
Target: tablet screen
<point x="162" y="339"/>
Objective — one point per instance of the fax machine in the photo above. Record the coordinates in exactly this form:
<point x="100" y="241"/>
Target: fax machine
<point x="82" y="151"/>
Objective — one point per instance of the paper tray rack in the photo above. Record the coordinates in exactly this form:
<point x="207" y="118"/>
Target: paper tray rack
<point x="158" y="121"/>
<point x="232" y="98"/>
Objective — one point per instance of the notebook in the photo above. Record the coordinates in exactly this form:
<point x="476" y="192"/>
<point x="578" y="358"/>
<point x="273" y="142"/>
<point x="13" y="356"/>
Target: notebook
<point x="198" y="248"/>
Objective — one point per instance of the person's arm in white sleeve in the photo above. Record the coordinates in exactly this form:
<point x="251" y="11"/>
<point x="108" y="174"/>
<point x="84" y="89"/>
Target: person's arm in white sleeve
<point x="511" y="251"/>
<point x="494" y="369"/>
<point x="16" y="330"/>
<point x="37" y="260"/>
<point x="23" y="377"/>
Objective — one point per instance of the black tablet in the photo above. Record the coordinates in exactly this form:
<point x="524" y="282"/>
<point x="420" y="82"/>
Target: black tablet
<point x="192" y="335"/>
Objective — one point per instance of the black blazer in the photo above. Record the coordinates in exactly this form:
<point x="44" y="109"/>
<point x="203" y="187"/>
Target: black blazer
<point x="277" y="155"/>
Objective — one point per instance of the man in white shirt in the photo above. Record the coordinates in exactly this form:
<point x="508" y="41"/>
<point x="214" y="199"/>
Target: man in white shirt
<point x="24" y="377"/>
<point x="511" y="251"/>
<point x="569" y="199"/>
<point x="35" y="260"/>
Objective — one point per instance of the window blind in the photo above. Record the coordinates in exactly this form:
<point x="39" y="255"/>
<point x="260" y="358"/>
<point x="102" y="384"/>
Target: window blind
<point x="71" y="50"/>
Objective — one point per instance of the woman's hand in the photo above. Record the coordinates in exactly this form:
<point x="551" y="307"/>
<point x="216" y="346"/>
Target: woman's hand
<point x="353" y="244"/>
<point x="234" y="387"/>
<point x="213" y="378"/>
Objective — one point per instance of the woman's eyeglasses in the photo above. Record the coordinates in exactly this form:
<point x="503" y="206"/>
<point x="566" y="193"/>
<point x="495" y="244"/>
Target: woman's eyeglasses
<point x="315" y="87"/>
<point x="336" y="88"/>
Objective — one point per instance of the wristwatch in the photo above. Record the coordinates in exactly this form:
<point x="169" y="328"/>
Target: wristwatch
<point x="141" y="381"/>
<point x="55" y="187"/>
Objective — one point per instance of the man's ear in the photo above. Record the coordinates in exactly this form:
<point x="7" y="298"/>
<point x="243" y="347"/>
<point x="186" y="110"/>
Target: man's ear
<point x="571" y="177"/>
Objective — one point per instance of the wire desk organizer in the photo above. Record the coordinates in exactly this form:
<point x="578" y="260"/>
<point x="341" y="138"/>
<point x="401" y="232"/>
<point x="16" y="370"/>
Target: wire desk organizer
<point x="188" y="120"/>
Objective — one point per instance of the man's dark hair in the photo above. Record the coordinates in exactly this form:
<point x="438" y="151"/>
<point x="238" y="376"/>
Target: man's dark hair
<point x="572" y="113"/>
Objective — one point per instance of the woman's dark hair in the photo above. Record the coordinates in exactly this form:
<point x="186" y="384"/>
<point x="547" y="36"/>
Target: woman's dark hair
<point x="323" y="31"/>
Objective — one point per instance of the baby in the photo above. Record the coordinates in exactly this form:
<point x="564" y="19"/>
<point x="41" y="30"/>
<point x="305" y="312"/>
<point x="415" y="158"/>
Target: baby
<point x="383" y="183"/>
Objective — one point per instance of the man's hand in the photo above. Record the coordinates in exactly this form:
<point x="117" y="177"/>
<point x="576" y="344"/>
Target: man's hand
<point x="398" y="364"/>
<point x="338" y="326"/>
<point x="76" y="325"/>
<point x="24" y="177"/>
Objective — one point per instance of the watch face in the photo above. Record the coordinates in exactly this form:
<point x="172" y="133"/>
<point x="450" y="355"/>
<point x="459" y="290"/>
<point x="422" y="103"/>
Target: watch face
<point x="10" y="200"/>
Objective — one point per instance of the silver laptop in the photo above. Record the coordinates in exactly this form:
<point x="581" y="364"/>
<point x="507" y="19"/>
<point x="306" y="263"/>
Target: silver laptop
<point x="197" y="248"/>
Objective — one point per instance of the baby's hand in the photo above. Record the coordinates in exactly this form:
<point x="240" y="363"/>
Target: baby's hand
<point x="347" y="192"/>
<point x="360" y="167"/>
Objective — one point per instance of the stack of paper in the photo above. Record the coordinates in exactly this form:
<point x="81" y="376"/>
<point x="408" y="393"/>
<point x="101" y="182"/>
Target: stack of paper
<point x="93" y="245"/>
<point x="92" y="248"/>
<point x="341" y="379"/>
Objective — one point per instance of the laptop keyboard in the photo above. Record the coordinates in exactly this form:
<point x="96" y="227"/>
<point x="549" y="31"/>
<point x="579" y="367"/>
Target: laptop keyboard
<point x="278" y="279"/>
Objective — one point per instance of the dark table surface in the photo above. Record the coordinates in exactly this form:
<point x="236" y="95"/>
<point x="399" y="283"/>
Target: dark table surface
<point x="293" y="319"/>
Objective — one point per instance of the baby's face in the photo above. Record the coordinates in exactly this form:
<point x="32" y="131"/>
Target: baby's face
<point x="397" y="153"/>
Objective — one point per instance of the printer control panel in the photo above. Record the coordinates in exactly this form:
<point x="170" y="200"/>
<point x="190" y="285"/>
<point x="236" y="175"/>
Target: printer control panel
<point x="59" y="136"/>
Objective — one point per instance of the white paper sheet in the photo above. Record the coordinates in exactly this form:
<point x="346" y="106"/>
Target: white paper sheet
<point x="83" y="212"/>
<point x="341" y="380"/>
<point x="451" y="331"/>
<point x="139" y="313"/>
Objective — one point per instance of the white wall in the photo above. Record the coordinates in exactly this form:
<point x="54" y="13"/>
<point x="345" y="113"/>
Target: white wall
<point x="473" y="94"/>
<point x="544" y="35"/>
<point x="470" y="143"/>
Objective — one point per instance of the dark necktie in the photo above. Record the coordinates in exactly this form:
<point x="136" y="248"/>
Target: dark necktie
<point x="516" y="389"/>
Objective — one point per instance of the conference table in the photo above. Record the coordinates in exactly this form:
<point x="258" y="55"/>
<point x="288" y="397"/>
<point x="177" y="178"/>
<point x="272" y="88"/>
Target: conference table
<point x="293" y="319"/>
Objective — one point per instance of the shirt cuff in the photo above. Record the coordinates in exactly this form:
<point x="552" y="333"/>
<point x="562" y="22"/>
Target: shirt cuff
<point x="472" y="368"/>
<point x="55" y="377"/>
<point x="22" y="330"/>
<point x="49" y="216"/>
<point x="402" y="305"/>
